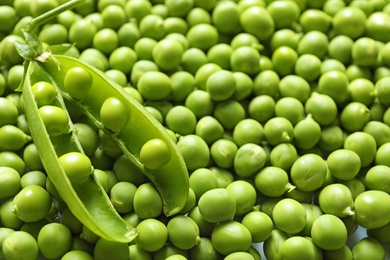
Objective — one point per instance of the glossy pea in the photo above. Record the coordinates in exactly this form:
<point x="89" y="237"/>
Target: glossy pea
<point x="77" y="166"/>
<point x="147" y="201"/>
<point x="32" y="203"/>
<point x="114" y="114"/>
<point x="10" y="182"/>
<point x="12" y="138"/>
<point x="44" y="92"/>
<point x="183" y="232"/>
<point x="20" y="245"/>
<point x="55" y="119"/>
<point x="31" y="158"/>
<point x="155" y="154"/>
<point x="9" y="112"/>
<point x="87" y="137"/>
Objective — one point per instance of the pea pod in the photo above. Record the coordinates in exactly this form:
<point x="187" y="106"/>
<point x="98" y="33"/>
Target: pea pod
<point x="88" y="201"/>
<point x="171" y="180"/>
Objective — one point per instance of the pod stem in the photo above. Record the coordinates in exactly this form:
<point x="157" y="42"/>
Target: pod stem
<point x="348" y="211"/>
<point x="290" y="187"/>
<point x="43" y="18"/>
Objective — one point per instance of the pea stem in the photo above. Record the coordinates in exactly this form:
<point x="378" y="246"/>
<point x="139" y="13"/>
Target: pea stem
<point x="43" y="18"/>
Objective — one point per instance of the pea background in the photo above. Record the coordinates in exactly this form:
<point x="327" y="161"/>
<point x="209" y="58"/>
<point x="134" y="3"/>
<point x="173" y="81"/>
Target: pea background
<point x="168" y="16"/>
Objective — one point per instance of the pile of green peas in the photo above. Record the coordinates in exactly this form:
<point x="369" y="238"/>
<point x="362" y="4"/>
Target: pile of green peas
<point x="280" y="109"/>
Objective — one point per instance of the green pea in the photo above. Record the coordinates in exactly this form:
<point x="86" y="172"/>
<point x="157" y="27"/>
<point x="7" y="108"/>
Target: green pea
<point x="44" y="92"/>
<point x="336" y="199"/>
<point x="290" y="108"/>
<point x="169" y="250"/>
<point x="283" y="156"/>
<point x="379" y="130"/>
<point x="342" y="253"/>
<point x="354" y="72"/>
<point x="183" y="232"/>
<point x="71" y="222"/>
<point x="204" y="72"/>
<point x="122" y="196"/>
<point x="307" y="133"/>
<point x="354" y="116"/>
<point x="278" y="130"/>
<point x="229" y="113"/>
<point x="8" y="112"/>
<point x="217" y="205"/>
<point x="366" y="152"/>
<point x="117" y="76"/>
<point x="255" y="17"/>
<point x="322" y="107"/>
<point x="13" y="160"/>
<point x="245" y="59"/>
<point x="87" y="137"/>
<point x="224" y="176"/>
<point x="77" y="166"/>
<point x="153" y="235"/>
<point x="31" y="158"/>
<point x="202" y="180"/>
<point x="55" y="119"/>
<point x="332" y="138"/>
<point x="155" y="113"/>
<point x="294" y="86"/>
<point x="261" y="108"/>
<point x="95" y="58"/>
<point x="134" y="93"/>
<point x="32" y="203"/>
<point x="231" y="236"/>
<point x="193" y="59"/>
<point x="143" y="48"/>
<point x="182" y="85"/>
<point x="273" y="245"/>
<point x="20" y="245"/>
<point x="195" y="151"/>
<point x="248" y="131"/>
<point x="109" y="146"/>
<point x="81" y="244"/>
<point x="12" y="138"/>
<point x="249" y="159"/>
<point x="297" y="246"/>
<point x="77" y="255"/>
<point x="289" y="216"/>
<point x="202" y="36"/>
<point x="167" y="54"/>
<point x="272" y="181"/>
<point x="137" y="253"/>
<point x="259" y="225"/>
<point x="239" y="255"/>
<point x="181" y="120"/>
<point x="114" y="114"/>
<point x="105" y="40"/>
<point x="81" y="33"/>
<point x="154" y="85"/>
<point x="329" y="232"/>
<point x="367" y="210"/>
<point x="244" y="194"/>
<point x="155" y="154"/>
<point x="205" y="227"/>
<point x="147" y="202"/>
<point x="343" y="164"/>
<point x="54" y="240"/>
<point x="309" y="73"/>
<point x="200" y="103"/>
<point x="209" y="129"/>
<point x="10" y="182"/>
<point x="382" y="155"/>
<point x="223" y="152"/>
<point x="376" y="178"/>
<point x="221" y="85"/>
<point x="308" y="172"/>
<point x="244" y="39"/>
<point x="368" y="248"/>
<point x="284" y="59"/>
<point x="123" y="166"/>
<point x="8" y="53"/>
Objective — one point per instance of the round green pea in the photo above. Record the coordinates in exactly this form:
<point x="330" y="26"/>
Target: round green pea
<point x="114" y="114"/>
<point x="155" y="154"/>
<point x="77" y="166"/>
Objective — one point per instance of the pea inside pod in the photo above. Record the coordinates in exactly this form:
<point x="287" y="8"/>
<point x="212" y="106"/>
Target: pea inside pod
<point x="134" y="133"/>
<point x="83" y="198"/>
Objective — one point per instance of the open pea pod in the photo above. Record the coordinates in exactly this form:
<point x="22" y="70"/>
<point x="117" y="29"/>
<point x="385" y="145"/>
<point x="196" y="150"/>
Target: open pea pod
<point x="171" y="180"/>
<point x="88" y="201"/>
